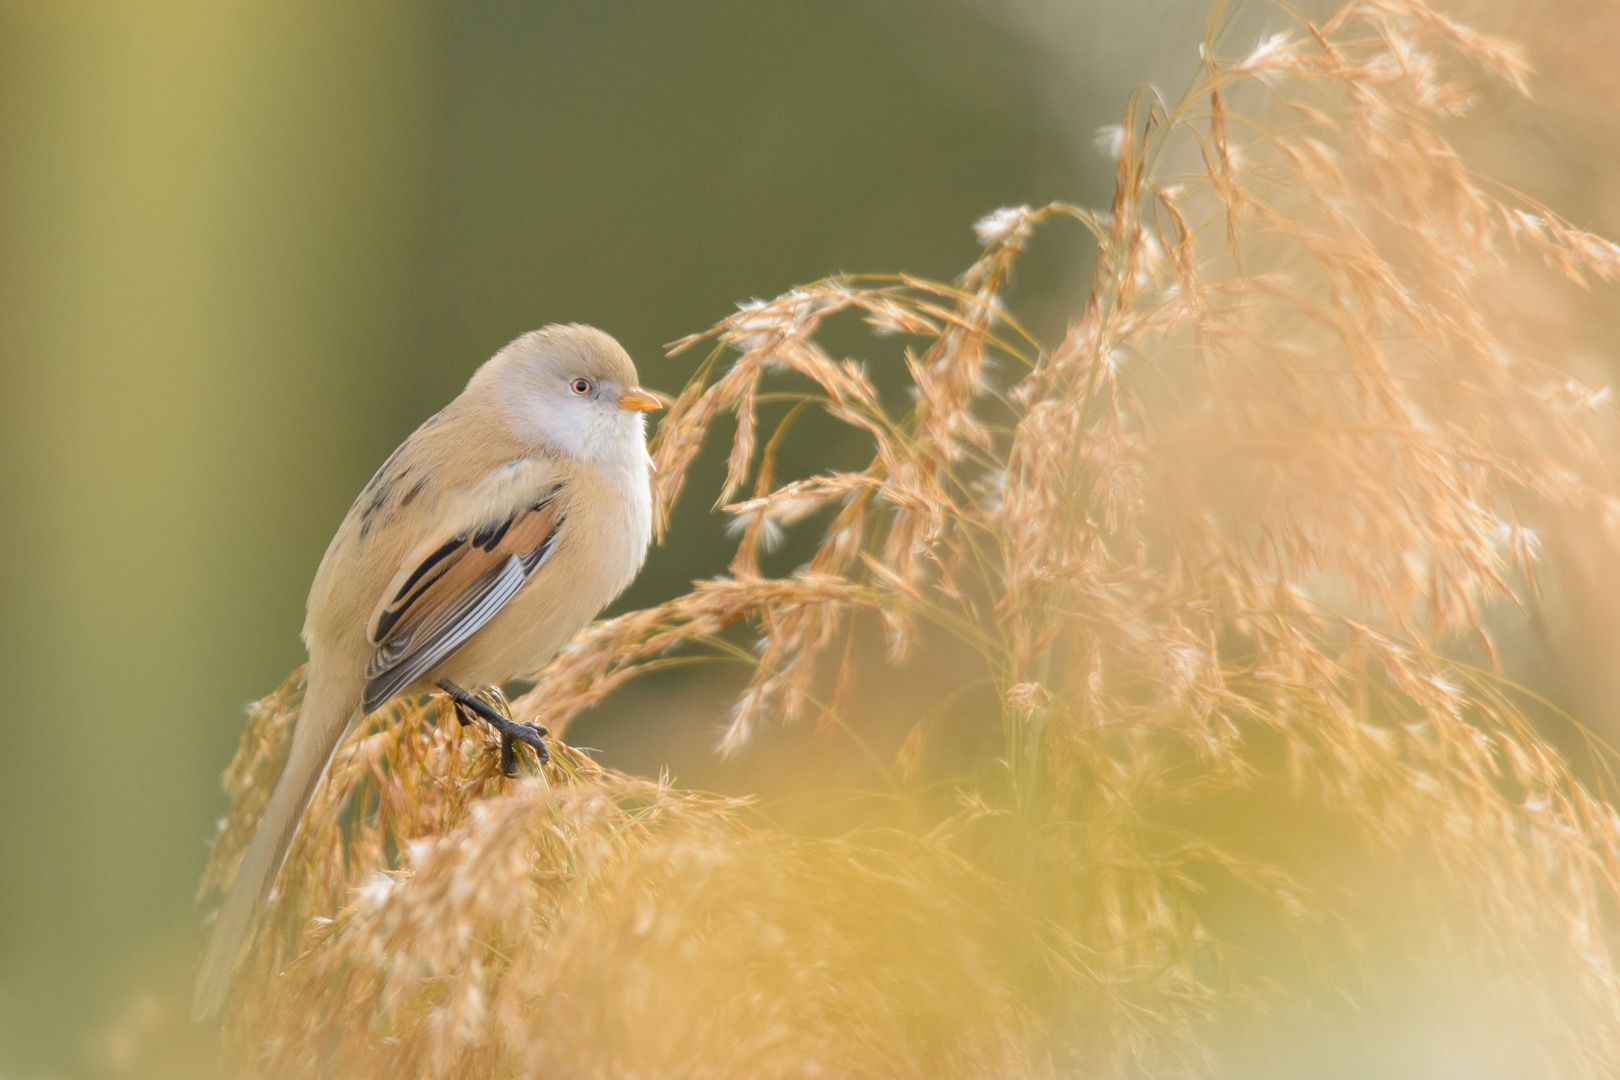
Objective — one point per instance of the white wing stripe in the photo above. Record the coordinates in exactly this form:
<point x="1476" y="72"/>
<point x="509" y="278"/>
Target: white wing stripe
<point x="460" y="627"/>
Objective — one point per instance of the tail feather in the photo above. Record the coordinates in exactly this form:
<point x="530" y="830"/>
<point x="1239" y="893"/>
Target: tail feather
<point x="321" y="725"/>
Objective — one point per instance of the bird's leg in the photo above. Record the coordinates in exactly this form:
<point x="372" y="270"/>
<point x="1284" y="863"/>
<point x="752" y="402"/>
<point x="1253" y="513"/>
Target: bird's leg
<point x="510" y="730"/>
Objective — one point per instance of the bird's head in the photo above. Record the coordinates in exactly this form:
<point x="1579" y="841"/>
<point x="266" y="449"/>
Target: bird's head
<point x="572" y="389"/>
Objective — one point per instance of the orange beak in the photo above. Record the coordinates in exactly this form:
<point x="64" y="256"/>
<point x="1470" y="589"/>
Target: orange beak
<point x="636" y="399"/>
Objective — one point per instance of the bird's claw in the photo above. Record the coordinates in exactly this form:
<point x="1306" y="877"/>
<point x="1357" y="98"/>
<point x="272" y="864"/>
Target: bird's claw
<point x="528" y="733"/>
<point x="532" y="735"/>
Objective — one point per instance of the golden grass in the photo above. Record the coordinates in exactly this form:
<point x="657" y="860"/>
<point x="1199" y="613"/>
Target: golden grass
<point x="1227" y="543"/>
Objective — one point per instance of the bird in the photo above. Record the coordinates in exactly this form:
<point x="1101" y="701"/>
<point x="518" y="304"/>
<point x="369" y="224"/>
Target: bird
<point x="485" y="542"/>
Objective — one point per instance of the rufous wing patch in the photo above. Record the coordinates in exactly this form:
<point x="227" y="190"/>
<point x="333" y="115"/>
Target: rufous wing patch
<point x="450" y="587"/>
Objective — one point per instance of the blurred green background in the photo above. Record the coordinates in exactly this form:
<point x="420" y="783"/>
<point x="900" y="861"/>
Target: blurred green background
<point x="245" y="247"/>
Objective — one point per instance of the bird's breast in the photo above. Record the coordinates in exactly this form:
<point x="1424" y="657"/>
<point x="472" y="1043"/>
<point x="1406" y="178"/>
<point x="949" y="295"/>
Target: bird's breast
<point x="601" y="546"/>
<point x="624" y="524"/>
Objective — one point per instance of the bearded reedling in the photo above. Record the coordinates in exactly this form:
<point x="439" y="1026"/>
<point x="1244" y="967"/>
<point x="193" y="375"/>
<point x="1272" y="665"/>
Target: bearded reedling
<point x="494" y="533"/>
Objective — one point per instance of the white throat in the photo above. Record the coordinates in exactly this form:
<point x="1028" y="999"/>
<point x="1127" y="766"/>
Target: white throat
<point x="584" y="429"/>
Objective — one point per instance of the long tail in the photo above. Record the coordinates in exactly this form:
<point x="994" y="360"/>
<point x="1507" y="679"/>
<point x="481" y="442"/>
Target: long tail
<point x="327" y="712"/>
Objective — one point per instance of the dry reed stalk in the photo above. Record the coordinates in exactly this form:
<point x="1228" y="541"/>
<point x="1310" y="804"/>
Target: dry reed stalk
<point x="1240" y="524"/>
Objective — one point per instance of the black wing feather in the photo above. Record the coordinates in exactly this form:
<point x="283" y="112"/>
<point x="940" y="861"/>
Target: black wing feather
<point x="407" y="651"/>
<point x="404" y="660"/>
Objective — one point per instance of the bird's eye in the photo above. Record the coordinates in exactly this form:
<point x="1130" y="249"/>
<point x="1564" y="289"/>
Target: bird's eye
<point x="582" y="386"/>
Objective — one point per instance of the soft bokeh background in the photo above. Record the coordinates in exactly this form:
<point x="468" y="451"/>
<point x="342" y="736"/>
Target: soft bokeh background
<point x="245" y="247"/>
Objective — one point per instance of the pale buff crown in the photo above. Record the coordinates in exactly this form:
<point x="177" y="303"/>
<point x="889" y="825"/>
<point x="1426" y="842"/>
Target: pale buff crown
<point x="559" y="387"/>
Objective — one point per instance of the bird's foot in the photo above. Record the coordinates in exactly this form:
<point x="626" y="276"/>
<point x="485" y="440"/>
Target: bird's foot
<point x="511" y="732"/>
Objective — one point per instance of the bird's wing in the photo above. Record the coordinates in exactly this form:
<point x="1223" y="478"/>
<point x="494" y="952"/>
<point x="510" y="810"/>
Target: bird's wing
<point x="451" y="586"/>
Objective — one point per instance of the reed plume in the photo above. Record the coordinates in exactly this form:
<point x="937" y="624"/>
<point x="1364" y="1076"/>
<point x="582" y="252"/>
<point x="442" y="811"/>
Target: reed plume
<point x="1230" y="546"/>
